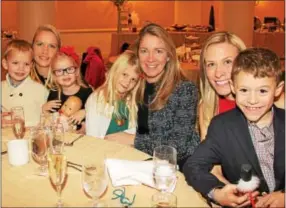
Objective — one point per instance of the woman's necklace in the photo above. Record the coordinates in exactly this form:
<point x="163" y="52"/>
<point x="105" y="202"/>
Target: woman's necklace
<point x="120" y="121"/>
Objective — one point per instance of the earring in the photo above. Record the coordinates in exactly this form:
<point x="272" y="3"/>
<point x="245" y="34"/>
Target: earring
<point x="168" y="59"/>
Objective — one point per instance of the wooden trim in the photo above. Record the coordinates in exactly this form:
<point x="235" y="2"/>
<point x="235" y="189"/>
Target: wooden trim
<point x="99" y="30"/>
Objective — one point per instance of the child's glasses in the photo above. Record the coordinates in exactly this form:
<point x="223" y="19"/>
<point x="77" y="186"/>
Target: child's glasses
<point x="60" y="72"/>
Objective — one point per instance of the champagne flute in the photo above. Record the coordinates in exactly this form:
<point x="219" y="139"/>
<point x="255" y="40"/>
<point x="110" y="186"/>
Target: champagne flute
<point x="165" y="163"/>
<point x="18" y="121"/>
<point x="57" y="140"/>
<point x="57" y="163"/>
<point x="94" y="179"/>
<point x="40" y="138"/>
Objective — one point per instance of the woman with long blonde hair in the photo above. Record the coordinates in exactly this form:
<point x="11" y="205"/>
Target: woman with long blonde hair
<point x="111" y="111"/>
<point x="46" y="43"/>
<point x="217" y="56"/>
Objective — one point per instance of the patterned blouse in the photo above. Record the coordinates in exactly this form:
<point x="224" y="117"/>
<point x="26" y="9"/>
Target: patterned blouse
<point x="174" y="124"/>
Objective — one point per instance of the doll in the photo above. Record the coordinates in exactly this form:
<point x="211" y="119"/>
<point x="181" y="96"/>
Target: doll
<point x="71" y="106"/>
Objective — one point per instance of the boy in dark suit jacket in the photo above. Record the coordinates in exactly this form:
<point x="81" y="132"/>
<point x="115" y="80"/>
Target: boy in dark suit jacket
<point x="253" y="133"/>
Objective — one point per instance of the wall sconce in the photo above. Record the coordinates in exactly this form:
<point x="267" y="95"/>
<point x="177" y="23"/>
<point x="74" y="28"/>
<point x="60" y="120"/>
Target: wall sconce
<point x="256" y="2"/>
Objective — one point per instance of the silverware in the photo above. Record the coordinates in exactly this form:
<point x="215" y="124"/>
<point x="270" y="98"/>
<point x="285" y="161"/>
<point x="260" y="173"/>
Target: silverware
<point x="4" y="152"/>
<point x="74" y="167"/>
<point x="75" y="164"/>
<point x="150" y="158"/>
<point x="71" y="144"/>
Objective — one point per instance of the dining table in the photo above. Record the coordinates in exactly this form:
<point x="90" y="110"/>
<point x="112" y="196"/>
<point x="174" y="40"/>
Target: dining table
<point x="22" y="187"/>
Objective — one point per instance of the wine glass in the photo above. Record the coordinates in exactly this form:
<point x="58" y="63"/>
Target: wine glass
<point x="159" y="200"/>
<point x="94" y="179"/>
<point x="165" y="164"/>
<point x="57" y="163"/>
<point x="18" y="121"/>
<point x="40" y="138"/>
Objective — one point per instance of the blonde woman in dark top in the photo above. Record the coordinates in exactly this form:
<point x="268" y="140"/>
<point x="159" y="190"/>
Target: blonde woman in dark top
<point x="46" y="43"/>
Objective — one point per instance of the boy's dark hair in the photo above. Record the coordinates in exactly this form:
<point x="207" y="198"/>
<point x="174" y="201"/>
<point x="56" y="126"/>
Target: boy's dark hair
<point x="260" y="62"/>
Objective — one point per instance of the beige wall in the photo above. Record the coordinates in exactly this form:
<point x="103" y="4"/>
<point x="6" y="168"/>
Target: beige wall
<point x="192" y="8"/>
<point x="98" y="18"/>
<point x="270" y="8"/>
<point x="102" y="14"/>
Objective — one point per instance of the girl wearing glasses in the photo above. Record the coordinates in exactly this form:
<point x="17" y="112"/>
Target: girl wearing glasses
<point x="66" y="81"/>
<point x="111" y="111"/>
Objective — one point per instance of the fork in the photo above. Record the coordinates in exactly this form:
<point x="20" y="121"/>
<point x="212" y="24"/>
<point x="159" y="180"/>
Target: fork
<point x="71" y="144"/>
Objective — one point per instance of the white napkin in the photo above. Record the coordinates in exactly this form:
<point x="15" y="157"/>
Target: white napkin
<point x="125" y="172"/>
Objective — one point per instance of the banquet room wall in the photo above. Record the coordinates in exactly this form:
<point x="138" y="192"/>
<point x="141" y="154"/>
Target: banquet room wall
<point x="90" y="23"/>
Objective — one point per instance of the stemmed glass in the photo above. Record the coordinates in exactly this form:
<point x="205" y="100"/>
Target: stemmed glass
<point x="18" y="121"/>
<point x="94" y="179"/>
<point x="57" y="141"/>
<point x="165" y="163"/>
<point x="40" y="138"/>
<point x="57" y="161"/>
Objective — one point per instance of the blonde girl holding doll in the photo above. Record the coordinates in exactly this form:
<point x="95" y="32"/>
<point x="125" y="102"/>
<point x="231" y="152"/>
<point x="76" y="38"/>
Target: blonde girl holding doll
<point x="66" y="81"/>
<point x="111" y="111"/>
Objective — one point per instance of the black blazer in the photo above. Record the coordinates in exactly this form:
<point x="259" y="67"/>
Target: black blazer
<point x="228" y="143"/>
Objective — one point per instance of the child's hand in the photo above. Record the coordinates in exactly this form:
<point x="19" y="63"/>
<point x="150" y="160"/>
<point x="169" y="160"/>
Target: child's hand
<point x="274" y="199"/>
<point x="82" y="129"/>
<point x="50" y="105"/>
<point x="77" y="117"/>
<point x="229" y="196"/>
<point x="4" y="120"/>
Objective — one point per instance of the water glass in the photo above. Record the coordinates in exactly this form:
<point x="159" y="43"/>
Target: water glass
<point x="165" y="164"/>
<point x="160" y="200"/>
<point x="40" y="138"/>
<point x="94" y="179"/>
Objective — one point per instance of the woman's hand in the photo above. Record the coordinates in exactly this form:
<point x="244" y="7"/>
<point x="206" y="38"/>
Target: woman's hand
<point x="51" y="106"/>
<point x="77" y="117"/>
<point x="122" y="138"/>
<point x="274" y="199"/>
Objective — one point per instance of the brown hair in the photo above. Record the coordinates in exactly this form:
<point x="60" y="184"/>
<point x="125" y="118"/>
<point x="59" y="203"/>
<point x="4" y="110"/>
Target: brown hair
<point x="18" y="45"/>
<point x="260" y="62"/>
<point x="172" y="73"/>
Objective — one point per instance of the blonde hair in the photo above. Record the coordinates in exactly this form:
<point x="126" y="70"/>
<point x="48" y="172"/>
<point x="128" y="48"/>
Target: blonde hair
<point x="18" y="45"/>
<point x="209" y="98"/>
<point x="107" y="92"/>
<point x="52" y="29"/>
<point x="172" y="74"/>
<point x="52" y="81"/>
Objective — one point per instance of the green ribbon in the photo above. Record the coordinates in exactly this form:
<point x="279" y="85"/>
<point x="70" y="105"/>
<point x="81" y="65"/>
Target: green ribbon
<point x="119" y="193"/>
